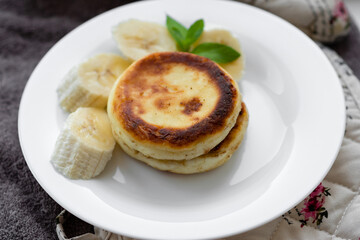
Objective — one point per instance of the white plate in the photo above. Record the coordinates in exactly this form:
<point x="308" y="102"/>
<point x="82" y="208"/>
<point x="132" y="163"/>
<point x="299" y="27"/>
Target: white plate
<point x="297" y="120"/>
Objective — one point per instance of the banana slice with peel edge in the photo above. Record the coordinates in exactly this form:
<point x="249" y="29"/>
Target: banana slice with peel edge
<point x="84" y="145"/>
<point x="235" y="68"/>
<point x="89" y="83"/>
<point x="136" y="39"/>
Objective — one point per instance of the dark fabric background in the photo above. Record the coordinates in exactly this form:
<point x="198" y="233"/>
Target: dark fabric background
<point x="28" y="29"/>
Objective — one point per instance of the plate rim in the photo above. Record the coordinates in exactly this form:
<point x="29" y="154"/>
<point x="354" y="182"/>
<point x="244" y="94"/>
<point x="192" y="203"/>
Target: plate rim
<point x="84" y="24"/>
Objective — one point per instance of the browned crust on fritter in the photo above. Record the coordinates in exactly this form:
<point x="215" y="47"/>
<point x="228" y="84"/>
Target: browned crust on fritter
<point x="226" y="147"/>
<point x="176" y="137"/>
<point x="241" y="123"/>
<point x="242" y="118"/>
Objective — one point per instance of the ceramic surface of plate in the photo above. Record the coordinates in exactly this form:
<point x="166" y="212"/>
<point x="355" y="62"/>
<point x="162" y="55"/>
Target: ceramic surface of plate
<point x="297" y="120"/>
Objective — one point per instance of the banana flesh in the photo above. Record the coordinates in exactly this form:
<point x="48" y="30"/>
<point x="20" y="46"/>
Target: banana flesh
<point x="136" y="39"/>
<point x="89" y="83"/>
<point x="84" y="145"/>
<point x="235" y="68"/>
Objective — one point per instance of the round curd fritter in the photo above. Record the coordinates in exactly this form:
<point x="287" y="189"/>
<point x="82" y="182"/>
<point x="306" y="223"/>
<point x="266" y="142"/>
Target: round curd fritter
<point x="217" y="156"/>
<point x="173" y="105"/>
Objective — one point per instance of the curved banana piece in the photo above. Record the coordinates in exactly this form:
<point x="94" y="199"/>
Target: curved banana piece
<point x="84" y="145"/>
<point x="235" y="68"/>
<point x="89" y="83"/>
<point x="136" y="38"/>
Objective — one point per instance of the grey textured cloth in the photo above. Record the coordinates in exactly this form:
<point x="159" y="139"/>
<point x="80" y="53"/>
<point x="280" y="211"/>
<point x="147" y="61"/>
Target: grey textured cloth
<point x="28" y="29"/>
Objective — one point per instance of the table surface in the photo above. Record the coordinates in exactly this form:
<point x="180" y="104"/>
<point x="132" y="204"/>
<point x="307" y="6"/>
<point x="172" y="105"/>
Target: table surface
<point x="28" y="29"/>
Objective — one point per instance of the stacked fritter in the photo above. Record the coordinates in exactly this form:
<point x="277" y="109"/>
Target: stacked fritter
<point x="177" y="112"/>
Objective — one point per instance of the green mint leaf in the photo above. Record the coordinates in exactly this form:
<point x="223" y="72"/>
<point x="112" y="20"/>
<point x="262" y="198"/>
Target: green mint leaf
<point x="179" y="39"/>
<point x="194" y="33"/>
<point x="170" y="22"/>
<point x="217" y="52"/>
<point x="177" y="31"/>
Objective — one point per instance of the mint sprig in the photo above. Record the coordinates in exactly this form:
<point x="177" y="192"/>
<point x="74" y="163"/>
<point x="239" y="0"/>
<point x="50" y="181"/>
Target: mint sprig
<point x="184" y="38"/>
<point x="217" y="52"/>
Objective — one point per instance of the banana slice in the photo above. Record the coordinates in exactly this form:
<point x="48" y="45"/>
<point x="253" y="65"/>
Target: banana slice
<point x="85" y="144"/>
<point x="89" y="83"/>
<point x="136" y="39"/>
<point x="235" y="68"/>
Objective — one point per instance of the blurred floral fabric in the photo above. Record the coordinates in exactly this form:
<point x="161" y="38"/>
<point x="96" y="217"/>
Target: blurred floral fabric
<point x="322" y="20"/>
